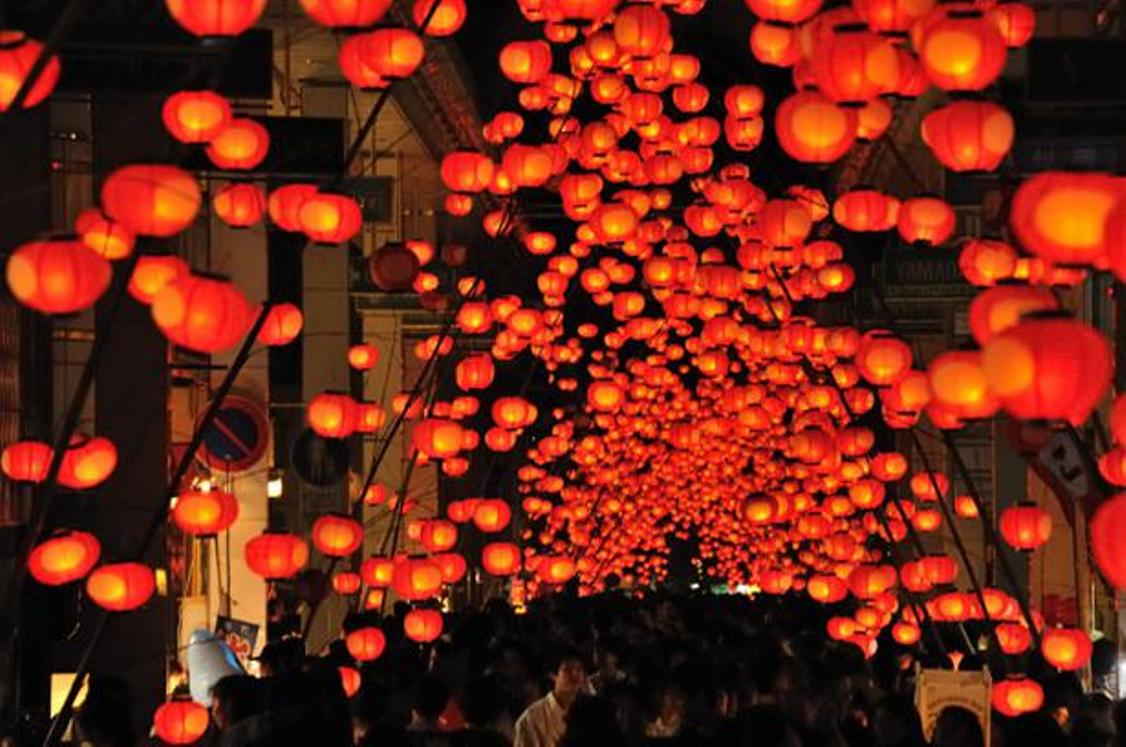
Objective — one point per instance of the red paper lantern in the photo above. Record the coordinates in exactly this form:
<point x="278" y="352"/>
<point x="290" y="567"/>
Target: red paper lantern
<point x="959" y="49"/>
<point x="642" y="31"/>
<point x="332" y="415"/>
<point x="891" y="16"/>
<point x="366" y="644"/>
<point x="775" y="44"/>
<point x="925" y="221"/>
<point x="64" y="557"/>
<point x="969" y="136"/>
<point x="26" y="461"/>
<point x="423" y="626"/>
<point x="87" y="462"/>
<point x="57" y="276"/>
<point x="330" y="218"/>
<point x="201" y="313"/>
<point x="500" y="558"/>
<point x="394" y="53"/>
<point x="242" y="145"/>
<point x="491" y="515"/>
<point x="853" y="64"/>
<point x="216" y="17"/>
<point x="18" y="54"/>
<point x="346" y="13"/>
<point x="445" y="20"/>
<point x="274" y="555"/>
<point x="995" y="310"/>
<point x="337" y="535"/>
<point x="1026" y="526"/>
<point x="239" y="205"/>
<point x="785" y="11"/>
<point x="284" y="205"/>
<point x="1062" y="217"/>
<point x="1015" y="21"/>
<point x="1108" y="540"/>
<point x="452" y="565"/>
<point x="152" y="273"/>
<point x="363" y="356"/>
<point x="984" y="262"/>
<point x="196" y="116"/>
<point x="417" y="578"/>
<point x="205" y="513"/>
<point x="813" y="129"/>
<point x="346" y="582"/>
<point x="180" y="722"/>
<point x="866" y="210"/>
<point x="104" y="237"/>
<point x="1066" y="649"/>
<point x="120" y="587"/>
<point x="378" y="572"/>
<point x="151" y="200"/>
<point x="282" y="326"/>
<point x="1017" y="695"/>
<point x="350" y="680"/>
<point x="883" y="359"/>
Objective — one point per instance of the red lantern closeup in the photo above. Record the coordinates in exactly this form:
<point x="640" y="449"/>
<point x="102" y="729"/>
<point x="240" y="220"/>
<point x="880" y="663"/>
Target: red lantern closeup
<point x="180" y="722"/>
<point x="329" y="219"/>
<point x="1018" y="695"/>
<point x="196" y="116"/>
<point x="813" y="129"/>
<point x="205" y="513"/>
<point x="18" y="55"/>
<point x="239" y="205"/>
<point x="120" y="587"/>
<point x="925" y="221"/>
<point x="201" y="313"/>
<point x="1066" y="649"/>
<point x="282" y="326"/>
<point x="63" y="557"/>
<point x="151" y="200"/>
<point x="274" y="555"/>
<point x="337" y="535"/>
<point x="366" y="644"/>
<point x="216" y="17"/>
<point x="241" y="145"/>
<point x="60" y="276"/>
<point x="87" y="462"/>
<point x="105" y="237"/>
<point x="332" y="415"/>
<point x="959" y="49"/>
<point x="1026" y="526"/>
<point x="423" y="625"/>
<point x="26" y="461"/>
<point x="417" y="578"/>
<point x="500" y="558"/>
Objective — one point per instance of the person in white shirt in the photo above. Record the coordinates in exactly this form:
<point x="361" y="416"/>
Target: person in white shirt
<point x="542" y="724"/>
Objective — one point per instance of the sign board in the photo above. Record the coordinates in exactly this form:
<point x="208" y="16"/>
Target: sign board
<point x="1057" y="460"/>
<point x="240" y="636"/>
<point x="936" y="689"/>
<point x="237" y="437"/>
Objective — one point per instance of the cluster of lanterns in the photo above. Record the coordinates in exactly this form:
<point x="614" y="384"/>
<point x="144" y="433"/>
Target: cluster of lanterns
<point x="706" y="403"/>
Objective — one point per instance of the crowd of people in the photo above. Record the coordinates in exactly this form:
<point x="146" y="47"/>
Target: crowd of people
<point x="615" y="670"/>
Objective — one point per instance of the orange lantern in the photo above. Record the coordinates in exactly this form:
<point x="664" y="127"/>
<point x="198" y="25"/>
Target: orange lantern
<point x="282" y="326"/>
<point x="87" y="462"/>
<point x="393" y="53"/>
<point x="969" y="136"/>
<point x="958" y="381"/>
<point x="866" y="210"/>
<point x="330" y="218"/>
<point x="1014" y="638"/>
<point x="332" y="415"/>
<point x="105" y="237"/>
<point x="960" y="50"/>
<point x="438" y="535"/>
<point x="151" y="200"/>
<point x="196" y="116"/>
<point x="346" y="582"/>
<point x="57" y="276"/>
<point x="853" y="64"/>
<point x="353" y="14"/>
<point x="120" y="587"/>
<point x="891" y="16"/>
<point x="18" y="55"/>
<point x="180" y="722"/>
<point x="26" y="461"/>
<point x="1062" y="217"/>
<point x="63" y="557"/>
<point x="500" y="558"/>
<point x="350" y="680"/>
<point x="366" y="644"/>
<point x="274" y="555"/>
<point x="1015" y="21"/>
<point x="216" y="17"/>
<point x="925" y="221"/>
<point x="378" y="572"/>
<point x="444" y="20"/>
<point x="337" y="535"/>
<point x="984" y="262"/>
<point x="201" y="313"/>
<point x="452" y="566"/>
<point x="525" y="61"/>
<point x="642" y="31"/>
<point x="467" y="171"/>
<point x="1017" y="695"/>
<point x="438" y="438"/>
<point x="205" y="513"/>
<point x="417" y="578"/>
<point x="241" y="145"/>
<point x="284" y="205"/>
<point x="775" y="44"/>
<point x="363" y="356"/>
<point x="1066" y="649"/>
<point x="785" y="11"/>
<point x="423" y="625"/>
<point x="995" y="310"/>
<point x="883" y="359"/>
<point x="491" y="515"/>
<point x="1025" y="526"/>
<point x="239" y="205"/>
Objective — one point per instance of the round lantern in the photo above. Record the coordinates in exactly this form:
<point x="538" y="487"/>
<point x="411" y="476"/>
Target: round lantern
<point x="474" y="372"/>
<point x="438" y="536"/>
<point x="995" y="310"/>
<point x="393" y="267"/>
<point x="1062" y="216"/>
<point x="205" y="513"/>
<point x="491" y="515"/>
<point x="337" y="535"/>
<point x="775" y="44"/>
<point x="152" y="273"/>
<point x="1026" y="526"/>
<point x="350" y="680"/>
<point x="346" y="582"/>
<point x="26" y="461"/>
<point x="958" y="381"/>
<point x="1015" y="21"/>
<point x="813" y="129"/>
<point x="354" y="64"/>
<point x="1014" y="638"/>
<point x="500" y="558"/>
<point x="423" y="626"/>
<point x="63" y="557"/>
<point x="417" y="578"/>
<point x="984" y="262"/>
<point x="1108" y="540"/>
<point x="201" y="313"/>
<point x="969" y="136"/>
<point x="925" y="221"/>
<point x="438" y="438"/>
<point x="366" y="644"/>
<point x="216" y="17"/>
<point x="1066" y="649"/>
<point x="394" y="53"/>
<point x="329" y="218"/>
<point x="873" y="120"/>
<point x="346" y="14"/>
<point x="282" y="326"/>
<point x="284" y="205"/>
<point x="883" y="359"/>
<point x="785" y="11"/>
<point x="443" y="20"/>
<point x="891" y="16"/>
<point x="556" y="570"/>
<point x="1050" y="368"/>
<point x="826" y="589"/>
<point x="866" y="210"/>
<point x="960" y="50"/>
<point x="332" y="415"/>
<point x="363" y="356"/>
<point x="525" y="62"/>
<point x="103" y="236"/>
<point x="242" y="145"/>
<point x="906" y="634"/>
<point x="853" y="64"/>
<point x="274" y="555"/>
<point x="120" y="587"/>
<point x="1018" y="695"/>
<point x="180" y="722"/>
<point x="59" y="276"/>
<point x="18" y="55"/>
<point x="151" y="200"/>
<point x="87" y="462"/>
<point x="239" y="205"/>
<point x="642" y="31"/>
<point x="378" y="572"/>
<point x="196" y="116"/>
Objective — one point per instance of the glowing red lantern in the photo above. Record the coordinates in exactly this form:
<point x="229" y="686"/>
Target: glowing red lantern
<point x="282" y="326"/>
<point x="883" y="359"/>
<point x="241" y="145"/>
<point x="969" y="136"/>
<point x="394" y="53"/>
<point x="438" y="535"/>
<point x="1018" y="695"/>
<point x="445" y="20"/>
<point x="337" y="535"/>
<point x="332" y="415"/>
<point x="87" y="462"/>
<point x="346" y="582"/>
<point x="120" y="587"/>
<point x="959" y="49"/>
<point x="151" y="200"/>
<point x="853" y="64"/>
<point x="1026" y="526"/>
<point x="196" y="116"/>
<point x="216" y="17"/>
<point x="350" y="680"/>
<point x="103" y="236"/>
<point x="1062" y="216"/>
<point x="205" y="513"/>
<point x="784" y="11"/>
<point x="57" y="276"/>
<point x="274" y="555"/>
<point x="330" y="218"/>
<point x="925" y="221"/>
<point x="18" y="55"/>
<point x="1015" y="21"/>
<point x="813" y="129"/>
<point x="363" y="356"/>
<point x="284" y="205"/>
<point x="1066" y="649"/>
<point x="346" y="13"/>
<point x="866" y="210"/>
<point x="201" y="313"/>
<point x="500" y="558"/>
<point x="423" y="625"/>
<point x="417" y="578"/>
<point x="180" y="722"/>
<point x="366" y="644"/>
<point x="491" y="515"/>
<point x="64" y="557"/>
<point x="239" y="205"/>
<point x="26" y="461"/>
<point x="152" y="273"/>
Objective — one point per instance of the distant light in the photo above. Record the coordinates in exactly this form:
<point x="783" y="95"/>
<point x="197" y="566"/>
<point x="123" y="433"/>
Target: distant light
<point x="275" y="486"/>
<point x="693" y="587"/>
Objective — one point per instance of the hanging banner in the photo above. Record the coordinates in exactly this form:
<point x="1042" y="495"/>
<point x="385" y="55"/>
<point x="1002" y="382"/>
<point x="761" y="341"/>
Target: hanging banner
<point x="937" y="689"/>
